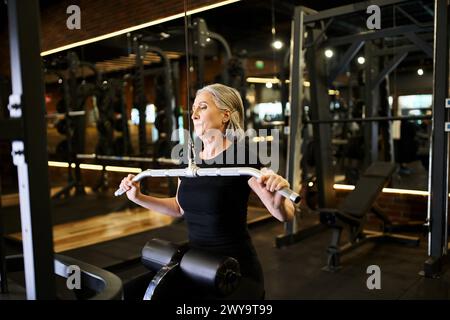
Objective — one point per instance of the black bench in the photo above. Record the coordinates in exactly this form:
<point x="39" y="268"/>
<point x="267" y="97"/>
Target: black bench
<point x="182" y="272"/>
<point x="351" y="214"/>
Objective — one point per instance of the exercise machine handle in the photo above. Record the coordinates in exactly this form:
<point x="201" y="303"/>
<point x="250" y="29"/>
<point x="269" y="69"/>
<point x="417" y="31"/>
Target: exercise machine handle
<point x="210" y="172"/>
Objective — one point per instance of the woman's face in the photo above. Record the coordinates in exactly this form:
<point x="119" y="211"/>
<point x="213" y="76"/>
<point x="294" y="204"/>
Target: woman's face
<point x="208" y="119"/>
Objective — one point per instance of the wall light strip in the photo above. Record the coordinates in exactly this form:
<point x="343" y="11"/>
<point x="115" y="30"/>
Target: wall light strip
<point x="58" y="164"/>
<point x="406" y="191"/>
<point x="91" y="166"/>
<point x="262" y="80"/>
<point x="338" y="186"/>
<point x="140" y="26"/>
<point x="96" y="167"/>
<point x="123" y="169"/>
<point x="272" y="80"/>
<point x="262" y="139"/>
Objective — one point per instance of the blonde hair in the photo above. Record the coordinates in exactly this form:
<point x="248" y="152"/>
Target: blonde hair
<point x="227" y="98"/>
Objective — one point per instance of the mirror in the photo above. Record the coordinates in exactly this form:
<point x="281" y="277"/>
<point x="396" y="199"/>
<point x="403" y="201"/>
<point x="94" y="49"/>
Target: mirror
<point x="130" y="108"/>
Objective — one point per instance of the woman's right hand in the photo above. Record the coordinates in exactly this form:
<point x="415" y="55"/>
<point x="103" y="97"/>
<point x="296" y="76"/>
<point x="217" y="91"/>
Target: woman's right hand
<point x="131" y="188"/>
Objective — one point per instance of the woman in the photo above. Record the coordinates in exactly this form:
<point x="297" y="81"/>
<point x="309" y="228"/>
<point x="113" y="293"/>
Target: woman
<point x="215" y="208"/>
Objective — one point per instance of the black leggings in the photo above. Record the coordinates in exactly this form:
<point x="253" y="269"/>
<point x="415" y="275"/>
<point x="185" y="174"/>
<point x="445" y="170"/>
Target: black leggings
<point x="252" y="281"/>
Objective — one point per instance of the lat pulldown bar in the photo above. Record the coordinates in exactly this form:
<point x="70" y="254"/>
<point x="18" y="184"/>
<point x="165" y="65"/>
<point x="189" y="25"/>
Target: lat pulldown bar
<point x="193" y="171"/>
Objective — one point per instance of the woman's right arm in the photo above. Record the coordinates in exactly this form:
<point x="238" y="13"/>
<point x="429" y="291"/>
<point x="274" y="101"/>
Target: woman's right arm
<point x="167" y="206"/>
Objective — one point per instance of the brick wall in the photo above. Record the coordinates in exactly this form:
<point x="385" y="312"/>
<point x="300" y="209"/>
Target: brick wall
<point x="99" y="17"/>
<point x="400" y="208"/>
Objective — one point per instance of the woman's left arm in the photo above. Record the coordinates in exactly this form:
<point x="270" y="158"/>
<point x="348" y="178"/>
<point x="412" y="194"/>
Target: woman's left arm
<point x="265" y="187"/>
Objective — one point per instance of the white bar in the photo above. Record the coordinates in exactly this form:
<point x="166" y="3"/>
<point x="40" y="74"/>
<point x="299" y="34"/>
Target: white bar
<point x="209" y="172"/>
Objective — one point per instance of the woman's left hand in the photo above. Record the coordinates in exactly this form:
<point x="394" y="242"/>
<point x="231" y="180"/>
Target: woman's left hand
<point x="273" y="182"/>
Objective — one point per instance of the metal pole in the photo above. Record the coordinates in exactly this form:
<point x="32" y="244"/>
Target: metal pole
<point x="293" y="169"/>
<point x="350" y="8"/>
<point x="385" y="126"/>
<point x="29" y="155"/>
<point x="75" y="139"/>
<point x="369" y="119"/>
<point x="321" y="132"/>
<point x="169" y="107"/>
<point x="126" y="142"/>
<point x="371" y="103"/>
<point x="200" y="35"/>
<point x="438" y="178"/>
<point x="284" y="134"/>
<point x="139" y="94"/>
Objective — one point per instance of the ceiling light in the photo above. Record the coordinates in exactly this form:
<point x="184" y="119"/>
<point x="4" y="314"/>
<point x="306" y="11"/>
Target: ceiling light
<point x="329" y="53"/>
<point x="277" y="44"/>
<point x="262" y="80"/>
<point x="164" y="35"/>
<point x="361" y="60"/>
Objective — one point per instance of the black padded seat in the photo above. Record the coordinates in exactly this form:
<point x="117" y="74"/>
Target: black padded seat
<point x="361" y="199"/>
<point x="380" y="169"/>
<point x="366" y="191"/>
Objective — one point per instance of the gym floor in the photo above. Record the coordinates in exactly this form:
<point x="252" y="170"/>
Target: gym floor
<point x="293" y="272"/>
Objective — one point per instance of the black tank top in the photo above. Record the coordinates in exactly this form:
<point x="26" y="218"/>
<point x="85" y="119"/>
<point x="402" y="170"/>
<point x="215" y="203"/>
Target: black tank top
<point x="215" y="208"/>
